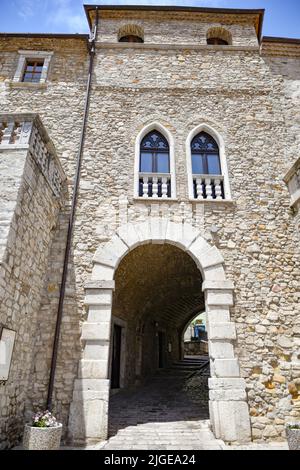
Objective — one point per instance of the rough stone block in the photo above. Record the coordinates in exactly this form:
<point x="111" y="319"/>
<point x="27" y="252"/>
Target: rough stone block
<point x="99" y="284"/>
<point x="112" y="252"/>
<point x="88" y="418"/>
<point x="217" y="284"/>
<point x="210" y="257"/>
<point x="230" y="420"/>
<point x="101" y="271"/>
<point x="97" y="350"/>
<point x="197" y="248"/>
<point x="129" y="235"/>
<point x="228" y="395"/>
<point x="226" y="368"/>
<point x="226" y="383"/>
<point x="98" y="297"/>
<point x="144" y="232"/>
<point x="221" y="331"/>
<point x="221" y="350"/>
<point x="91" y="369"/>
<point x="218" y="297"/>
<point x="213" y="273"/>
<point x="100" y="385"/>
<point x="99" y="313"/>
<point x="181" y="235"/>
<point x="158" y="229"/>
<point x="217" y="314"/>
<point x="95" y="331"/>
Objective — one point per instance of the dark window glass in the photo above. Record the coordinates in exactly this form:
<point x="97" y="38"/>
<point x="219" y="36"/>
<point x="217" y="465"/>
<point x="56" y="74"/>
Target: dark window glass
<point x="217" y="41"/>
<point x="146" y="162"/>
<point x="131" y="38"/>
<point x="205" y="155"/>
<point x="162" y="162"/>
<point x="154" y="154"/>
<point x="33" y="71"/>
<point x="213" y="164"/>
<point x="197" y="164"/>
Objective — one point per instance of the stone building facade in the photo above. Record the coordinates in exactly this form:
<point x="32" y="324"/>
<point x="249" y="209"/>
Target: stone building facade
<point x="150" y="250"/>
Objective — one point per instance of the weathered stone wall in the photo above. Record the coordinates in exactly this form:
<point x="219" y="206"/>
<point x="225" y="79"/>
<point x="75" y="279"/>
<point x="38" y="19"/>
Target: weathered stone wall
<point x="194" y="348"/>
<point x="9" y="186"/>
<point x="60" y="101"/>
<point x="177" y="28"/>
<point x="60" y="105"/>
<point x="237" y="93"/>
<point x="33" y="211"/>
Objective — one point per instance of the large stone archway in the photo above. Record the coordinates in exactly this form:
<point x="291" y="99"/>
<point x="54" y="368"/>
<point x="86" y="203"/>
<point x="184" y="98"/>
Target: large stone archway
<point x="229" y="413"/>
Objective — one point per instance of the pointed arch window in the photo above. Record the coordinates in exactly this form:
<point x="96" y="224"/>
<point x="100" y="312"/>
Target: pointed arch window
<point x="208" y="181"/>
<point x="205" y="155"/>
<point x="154" y="157"/>
<point x="154" y="166"/>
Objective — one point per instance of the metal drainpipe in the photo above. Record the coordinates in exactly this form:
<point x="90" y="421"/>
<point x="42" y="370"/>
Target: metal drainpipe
<point x="92" y="51"/>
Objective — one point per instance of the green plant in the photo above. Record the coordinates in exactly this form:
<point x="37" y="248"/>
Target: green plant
<point x="44" y="419"/>
<point x="293" y="425"/>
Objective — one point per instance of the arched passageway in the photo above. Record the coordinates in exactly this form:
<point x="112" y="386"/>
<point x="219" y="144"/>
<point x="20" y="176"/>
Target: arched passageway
<point x="158" y="289"/>
<point x="228" y="409"/>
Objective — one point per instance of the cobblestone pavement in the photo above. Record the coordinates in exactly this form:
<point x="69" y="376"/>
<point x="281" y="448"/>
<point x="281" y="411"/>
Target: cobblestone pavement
<point x="170" y="411"/>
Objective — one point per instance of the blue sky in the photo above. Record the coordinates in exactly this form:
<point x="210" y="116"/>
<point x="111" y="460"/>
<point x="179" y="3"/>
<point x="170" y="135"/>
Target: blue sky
<point x="282" y="17"/>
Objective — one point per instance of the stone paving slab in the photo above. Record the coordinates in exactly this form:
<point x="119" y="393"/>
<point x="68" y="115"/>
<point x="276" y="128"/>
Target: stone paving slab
<point x="169" y="412"/>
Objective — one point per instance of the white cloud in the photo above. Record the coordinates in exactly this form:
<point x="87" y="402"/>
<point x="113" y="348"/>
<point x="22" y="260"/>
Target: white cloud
<point x="68" y="13"/>
<point x="29" y="8"/>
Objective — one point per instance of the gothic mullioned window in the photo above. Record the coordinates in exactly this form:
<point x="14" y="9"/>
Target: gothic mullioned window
<point x="208" y="182"/>
<point x="154" y="153"/>
<point x="205" y="155"/>
<point x="154" y="166"/>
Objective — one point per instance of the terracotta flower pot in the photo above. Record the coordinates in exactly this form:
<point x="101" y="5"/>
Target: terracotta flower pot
<point x="47" y="438"/>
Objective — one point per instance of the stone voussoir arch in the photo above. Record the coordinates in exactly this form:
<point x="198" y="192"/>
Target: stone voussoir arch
<point x="228" y="406"/>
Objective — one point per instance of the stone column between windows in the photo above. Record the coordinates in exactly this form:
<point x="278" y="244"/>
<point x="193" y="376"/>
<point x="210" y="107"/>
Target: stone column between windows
<point x="228" y="407"/>
<point x="89" y="408"/>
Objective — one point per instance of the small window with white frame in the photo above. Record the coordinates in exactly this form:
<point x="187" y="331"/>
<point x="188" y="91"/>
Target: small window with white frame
<point x="206" y="164"/>
<point x="33" y="67"/>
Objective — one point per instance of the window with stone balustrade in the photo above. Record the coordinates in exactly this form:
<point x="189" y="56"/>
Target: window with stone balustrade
<point x="154" y="173"/>
<point x="206" y="166"/>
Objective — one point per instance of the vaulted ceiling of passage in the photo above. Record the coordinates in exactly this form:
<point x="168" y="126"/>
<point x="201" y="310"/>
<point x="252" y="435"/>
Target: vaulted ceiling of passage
<point x="158" y="280"/>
